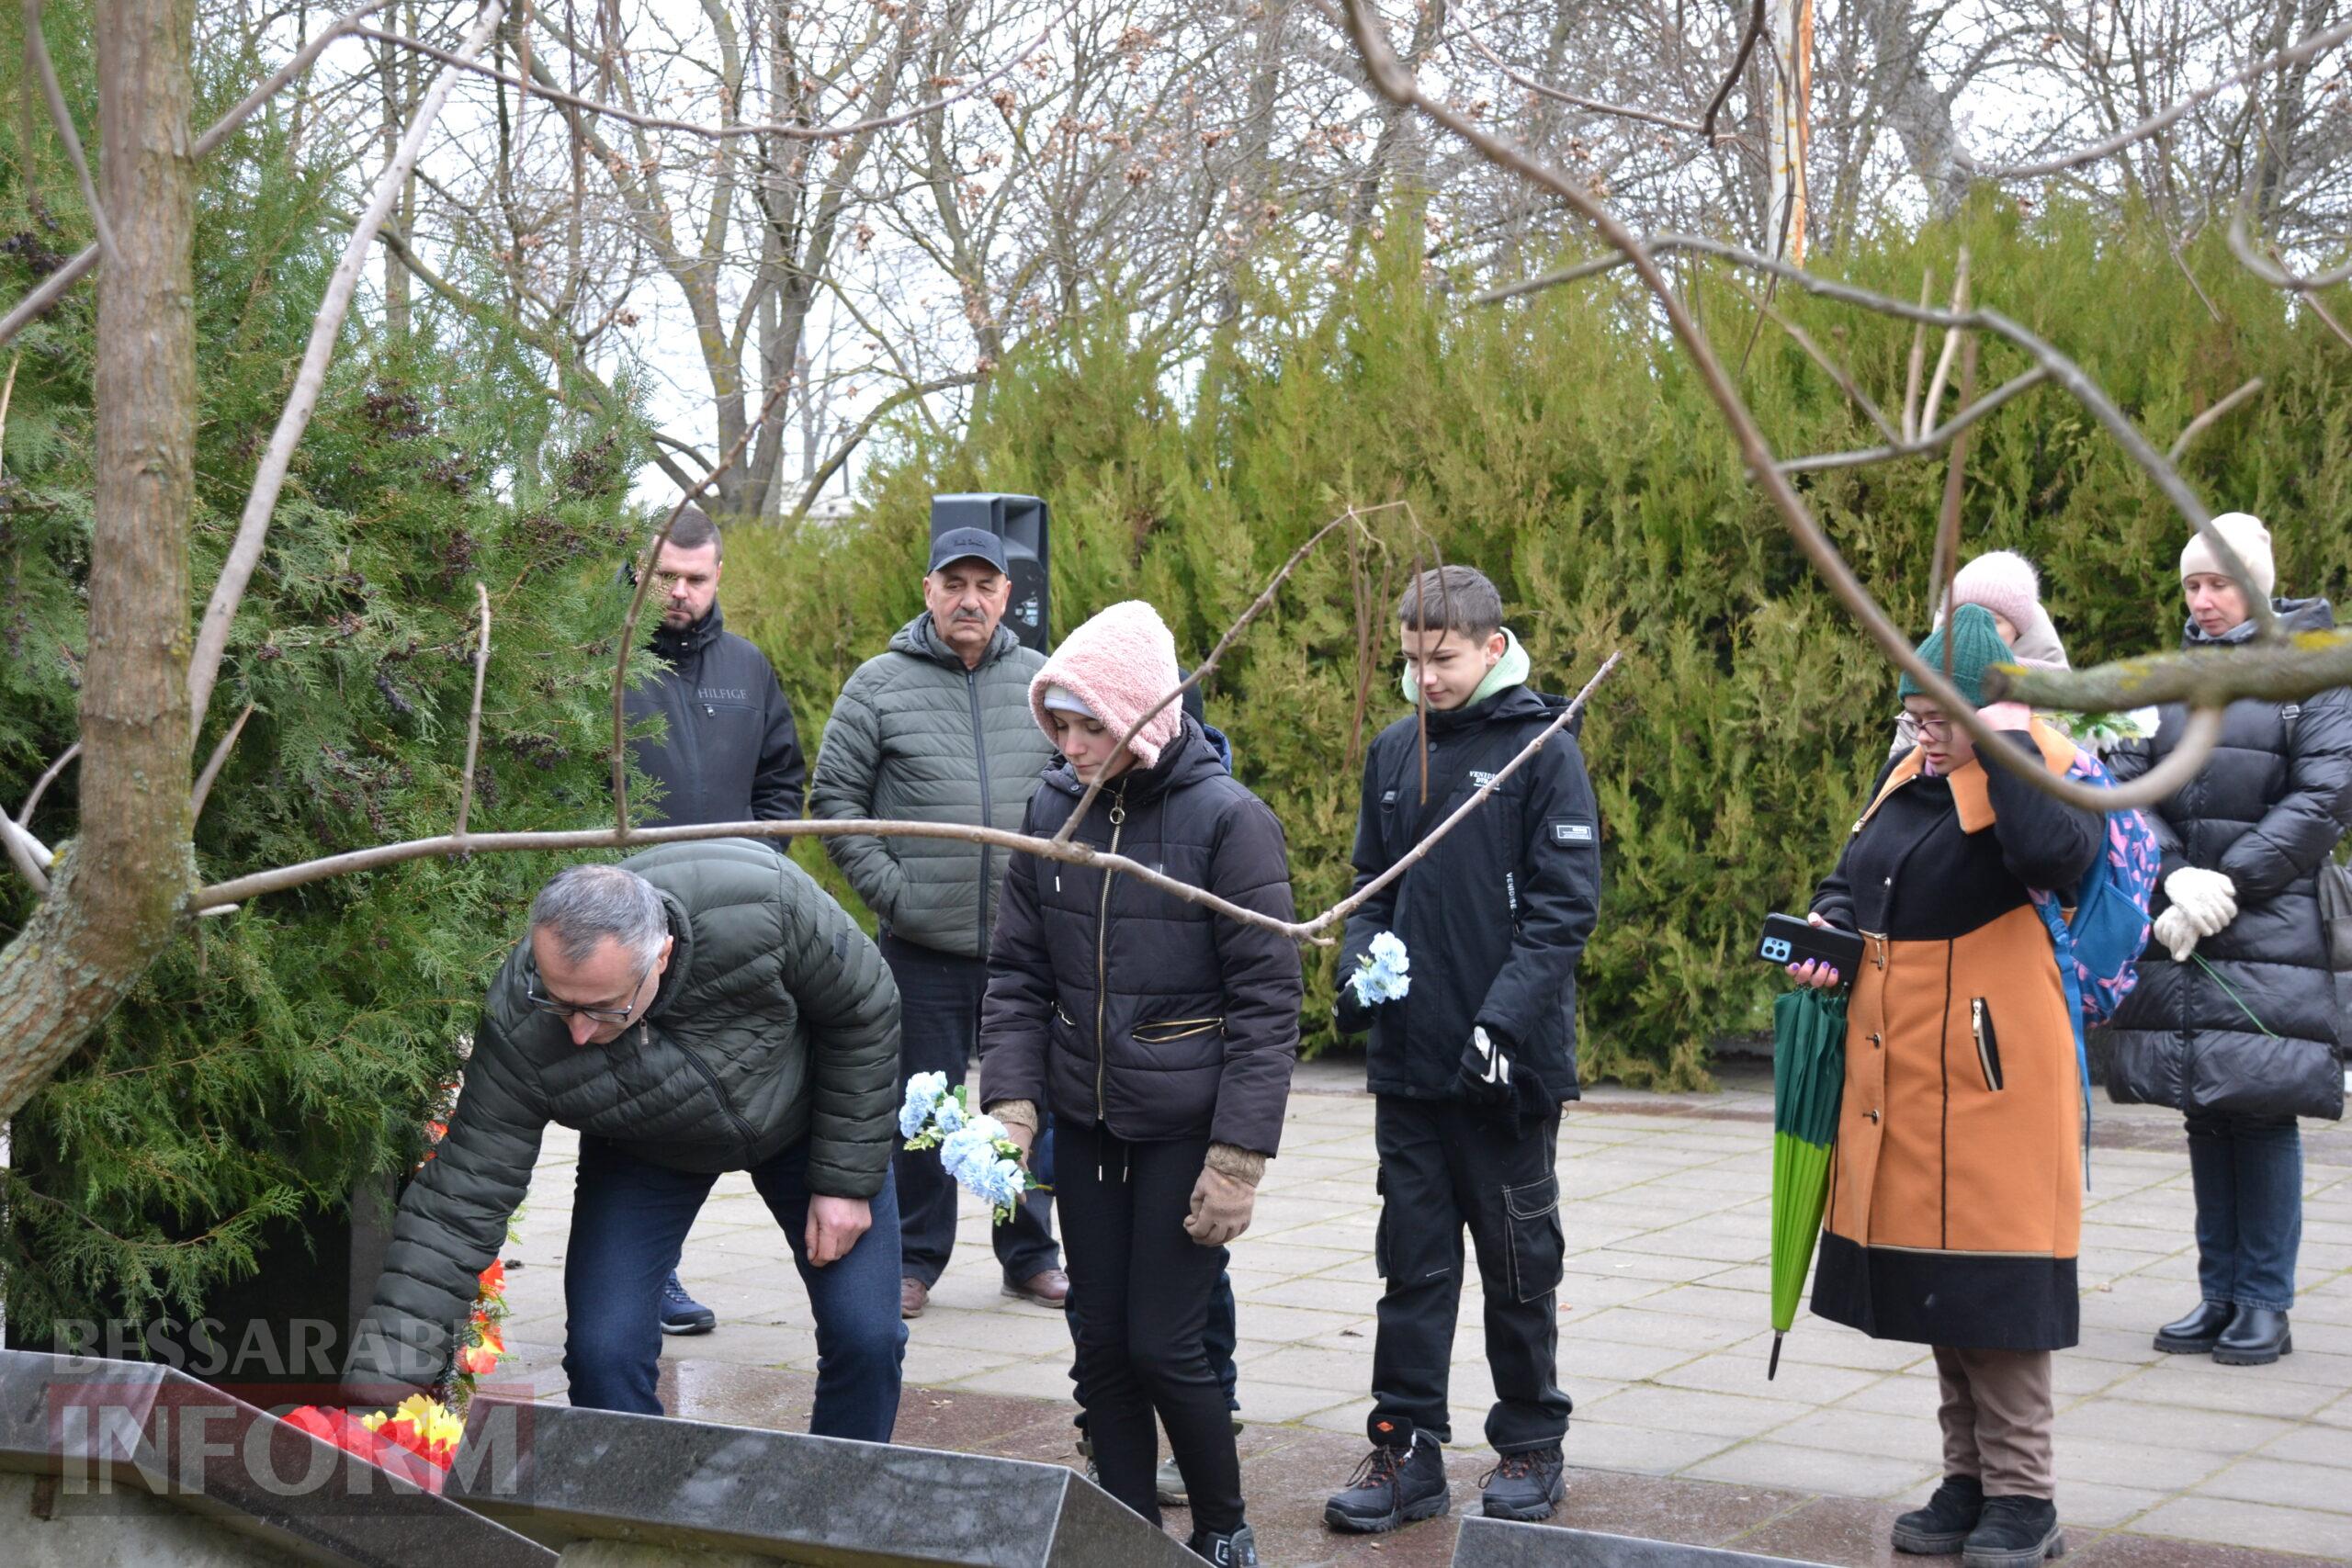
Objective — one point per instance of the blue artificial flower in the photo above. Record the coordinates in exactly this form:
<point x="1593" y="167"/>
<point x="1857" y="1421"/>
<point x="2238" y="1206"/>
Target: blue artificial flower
<point x="1000" y="1184"/>
<point x="925" y="1091"/>
<point x="949" y="1114"/>
<point x="967" y="1144"/>
<point x="1381" y="975"/>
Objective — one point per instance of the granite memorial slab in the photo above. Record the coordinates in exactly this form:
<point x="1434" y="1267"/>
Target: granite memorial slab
<point x="1500" y="1543"/>
<point x="562" y="1476"/>
<point x="110" y="1439"/>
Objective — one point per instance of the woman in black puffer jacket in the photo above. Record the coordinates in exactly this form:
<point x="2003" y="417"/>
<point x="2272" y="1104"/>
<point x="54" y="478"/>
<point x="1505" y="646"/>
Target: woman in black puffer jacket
<point x="1160" y="1035"/>
<point x="2235" y="1020"/>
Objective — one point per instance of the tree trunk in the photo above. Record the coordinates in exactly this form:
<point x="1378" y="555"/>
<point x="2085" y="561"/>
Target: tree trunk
<point x="120" y="886"/>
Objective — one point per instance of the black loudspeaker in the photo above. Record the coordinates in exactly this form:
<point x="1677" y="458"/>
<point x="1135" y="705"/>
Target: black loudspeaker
<point x="1020" y="521"/>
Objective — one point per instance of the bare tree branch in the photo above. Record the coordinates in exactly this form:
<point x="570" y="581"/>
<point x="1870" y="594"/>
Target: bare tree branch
<point x="40" y="784"/>
<point x="2294" y="54"/>
<point x="473" y="715"/>
<point x="2077" y="383"/>
<point x="53" y="288"/>
<point x="1731" y="77"/>
<point x="253" y="528"/>
<point x="1390" y="78"/>
<point x="238" y="889"/>
<point x="213" y="765"/>
<point x="37" y="56"/>
<point x="2276" y="275"/>
<point x="1622" y="111"/>
<point x="1256" y="605"/>
<point x="1836" y="372"/>
<point x="1932" y="440"/>
<point x="785" y="130"/>
<point x="2199" y="426"/>
<point x="2274" y="672"/>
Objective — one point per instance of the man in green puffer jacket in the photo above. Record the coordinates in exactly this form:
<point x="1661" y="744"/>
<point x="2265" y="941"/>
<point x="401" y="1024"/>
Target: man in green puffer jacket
<point x="938" y="729"/>
<point x="700" y="1008"/>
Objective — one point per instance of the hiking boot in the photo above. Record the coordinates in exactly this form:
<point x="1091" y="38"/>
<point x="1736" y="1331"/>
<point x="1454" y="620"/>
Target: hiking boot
<point x="1238" y="1550"/>
<point x="2194" y="1334"/>
<point x="2256" y="1337"/>
<point x="680" y="1314"/>
<point x="1169" y="1482"/>
<point x="1941" y="1528"/>
<point x="1525" y="1485"/>
<point x="2014" y="1532"/>
<point x="1393" y="1486"/>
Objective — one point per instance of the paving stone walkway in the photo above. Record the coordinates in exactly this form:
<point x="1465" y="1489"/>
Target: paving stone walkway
<point x="2162" y="1461"/>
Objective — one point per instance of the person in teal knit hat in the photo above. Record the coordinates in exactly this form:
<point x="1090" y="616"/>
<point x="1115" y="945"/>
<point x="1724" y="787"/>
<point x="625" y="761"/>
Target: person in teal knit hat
<point x="1976" y="647"/>
<point x="1955" y="1205"/>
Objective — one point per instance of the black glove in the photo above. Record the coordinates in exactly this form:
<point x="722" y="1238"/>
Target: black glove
<point x="1490" y="1077"/>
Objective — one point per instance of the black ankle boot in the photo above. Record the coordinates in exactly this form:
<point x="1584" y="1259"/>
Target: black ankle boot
<point x="1941" y="1528"/>
<point x="2256" y="1337"/>
<point x="1238" y="1550"/>
<point x="1393" y="1486"/>
<point x="2194" y="1334"/>
<point x="2014" y="1532"/>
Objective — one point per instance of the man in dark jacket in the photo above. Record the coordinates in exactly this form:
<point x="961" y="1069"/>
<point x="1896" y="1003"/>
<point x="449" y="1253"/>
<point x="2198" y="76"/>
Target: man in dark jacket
<point x="937" y="729"/>
<point x="1468" y="1068"/>
<point x="698" y="1009"/>
<point x="728" y="751"/>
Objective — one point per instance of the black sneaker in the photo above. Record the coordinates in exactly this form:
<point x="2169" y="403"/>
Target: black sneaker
<point x="1168" y="1482"/>
<point x="1393" y="1486"/>
<point x="1526" y="1486"/>
<point x="680" y="1314"/>
<point x="1941" y="1528"/>
<point x="2014" y="1532"/>
<point x="1086" y="1452"/>
<point x="1238" y="1550"/>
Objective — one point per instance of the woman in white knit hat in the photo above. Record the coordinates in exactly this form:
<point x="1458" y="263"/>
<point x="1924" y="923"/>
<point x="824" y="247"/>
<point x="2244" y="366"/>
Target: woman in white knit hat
<point x="2235" y="1021"/>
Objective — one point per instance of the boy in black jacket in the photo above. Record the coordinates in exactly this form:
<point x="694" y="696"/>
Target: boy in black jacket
<point x="1470" y="1065"/>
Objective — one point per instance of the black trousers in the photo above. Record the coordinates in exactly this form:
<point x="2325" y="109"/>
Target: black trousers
<point x="939" y="1028"/>
<point x="1139" y="1307"/>
<point x="1444" y="1166"/>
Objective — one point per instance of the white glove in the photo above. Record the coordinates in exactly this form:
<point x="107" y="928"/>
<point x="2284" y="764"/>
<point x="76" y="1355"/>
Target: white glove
<point x="2175" y="932"/>
<point x="2209" y="898"/>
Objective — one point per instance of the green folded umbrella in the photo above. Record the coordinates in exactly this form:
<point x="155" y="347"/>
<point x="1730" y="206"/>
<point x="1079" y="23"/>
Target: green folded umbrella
<point x="1808" y="1080"/>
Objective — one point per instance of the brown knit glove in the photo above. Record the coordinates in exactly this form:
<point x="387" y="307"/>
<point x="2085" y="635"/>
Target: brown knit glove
<point x="1226" y="1194"/>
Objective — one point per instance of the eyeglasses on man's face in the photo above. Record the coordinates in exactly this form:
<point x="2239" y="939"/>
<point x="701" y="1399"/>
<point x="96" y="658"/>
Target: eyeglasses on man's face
<point x="567" y="1011"/>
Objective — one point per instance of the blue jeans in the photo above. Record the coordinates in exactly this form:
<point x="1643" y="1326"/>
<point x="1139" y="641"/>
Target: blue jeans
<point x="2247" y="1172"/>
<point x="630" y="1219"/>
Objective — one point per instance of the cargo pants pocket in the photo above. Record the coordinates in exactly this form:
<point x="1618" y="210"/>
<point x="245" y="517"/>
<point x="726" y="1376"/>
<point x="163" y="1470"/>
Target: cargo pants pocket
<point x="1538" y="1246"/>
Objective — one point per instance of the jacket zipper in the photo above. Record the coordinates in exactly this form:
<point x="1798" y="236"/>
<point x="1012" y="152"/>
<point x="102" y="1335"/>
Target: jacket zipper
<point x="1102" y="960"/>
<point x="980" y="756"/>
<point x="750" y="1137"/>
<point x="1988" y="1044"/>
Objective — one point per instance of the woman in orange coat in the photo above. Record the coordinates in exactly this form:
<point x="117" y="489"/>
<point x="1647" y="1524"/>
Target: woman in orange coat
<point x="1955" y="1199"/>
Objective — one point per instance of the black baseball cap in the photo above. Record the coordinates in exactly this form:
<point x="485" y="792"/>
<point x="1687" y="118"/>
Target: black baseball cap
<point x="968" y="544"/>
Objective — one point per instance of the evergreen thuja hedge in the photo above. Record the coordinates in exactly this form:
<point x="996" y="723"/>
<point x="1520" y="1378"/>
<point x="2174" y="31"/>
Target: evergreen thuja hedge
<point x="1561" y="447"/>
<point x="276" y="1057"/>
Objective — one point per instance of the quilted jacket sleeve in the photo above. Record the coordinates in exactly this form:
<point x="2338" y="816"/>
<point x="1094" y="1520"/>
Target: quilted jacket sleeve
<point x="850" y="1004"/>
<point x="1261" y="974"/>
<point x="849" y="763"/>
<point x="452" y="1221"/>
<point x="1019" y="1008"/>
<point x="2301" y="826"/>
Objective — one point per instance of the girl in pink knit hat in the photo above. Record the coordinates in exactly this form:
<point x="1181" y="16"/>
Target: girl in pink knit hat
<point x="1160" y="1035"/>
<point x="2005" y="583"/>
